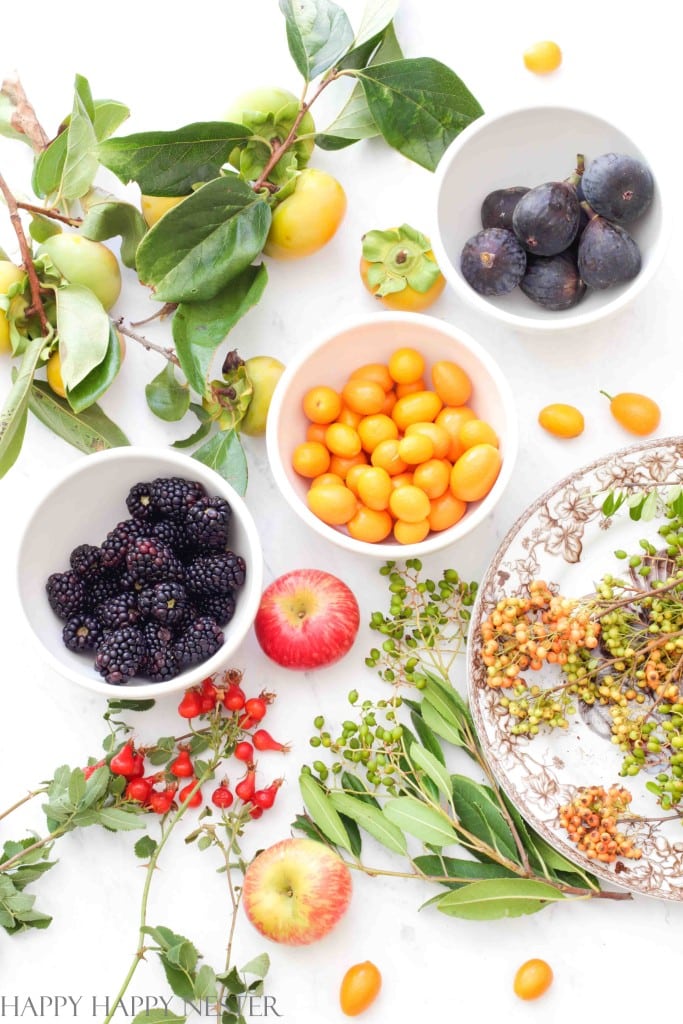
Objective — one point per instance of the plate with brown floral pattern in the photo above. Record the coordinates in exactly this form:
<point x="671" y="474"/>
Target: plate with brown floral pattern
<point x="596" y="666"/>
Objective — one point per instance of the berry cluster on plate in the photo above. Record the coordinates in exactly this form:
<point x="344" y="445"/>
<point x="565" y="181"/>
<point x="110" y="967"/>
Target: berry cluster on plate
<point x="152" y="599"/>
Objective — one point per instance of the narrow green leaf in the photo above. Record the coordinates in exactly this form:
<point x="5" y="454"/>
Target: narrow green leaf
<point x="172" y="163"/>
<point x="461" y="871"/>
<point x="199" y="434"/>
<point x="609" y="505"/>
<point x="496" y="898"/>
<point x="111" y="218"/>
<point x="89" y="431"/>
<point x="419" y="106"/>
<point x="446" y="699"/>
<point x="438" y="724"/>
<point x="158" y="1016"/>
<point x="200" y="245"/>
<point x="14" y="412"/>
<point x="421" y="821"/>
<point x="426" y="736"/>
<point x="479" y="813"/>
<point x="167" y="397"/>
<point x="372" y="820"/>
<point x="225" y="454"/>
<point x="99" y="380"/>
<point x="118" y="820"/>
<point x="318" y="33"/>
<point x="84" y="329"/>
<point x="432" y="768"/>
<point x="200" y="327"/>
<point x="352" y="782"/>
<point x="305" y="825"/>
<point x="322" y="811"/>
<point x="354" y="121"/>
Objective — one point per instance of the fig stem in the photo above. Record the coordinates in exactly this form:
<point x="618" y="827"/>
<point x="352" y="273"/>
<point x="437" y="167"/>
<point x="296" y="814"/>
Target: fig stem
<point x="611" y="397"/>
<point x="580" y="164"/>
<point x="585" y="205"/>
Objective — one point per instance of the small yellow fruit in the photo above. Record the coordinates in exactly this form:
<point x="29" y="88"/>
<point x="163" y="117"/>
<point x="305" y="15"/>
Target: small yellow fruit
<point x="154" y="207"/>
<point x="543" y="57"/>
<point x="54" y="374"/>
<point x="308" y="218"/>
<point x="9" y="274"/>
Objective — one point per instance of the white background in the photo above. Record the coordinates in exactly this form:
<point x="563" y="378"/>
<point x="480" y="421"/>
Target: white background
<point x="173" y="64"/>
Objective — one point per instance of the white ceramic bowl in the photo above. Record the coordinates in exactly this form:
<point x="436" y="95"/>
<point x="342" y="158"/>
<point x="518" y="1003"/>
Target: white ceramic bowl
<point x="81" y="507"/>
<point x="331" y="359"/>
<point x="528" y="147"/>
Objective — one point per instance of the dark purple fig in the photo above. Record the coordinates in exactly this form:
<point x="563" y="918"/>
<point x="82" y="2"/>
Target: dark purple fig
<point x="498" y="207"/>
<point x="553" y="282"/>
<point x="493" y="262"/>
<point x="618" y="187"/>
<point x="607" y="254"/>
<point x="546" y="219"/>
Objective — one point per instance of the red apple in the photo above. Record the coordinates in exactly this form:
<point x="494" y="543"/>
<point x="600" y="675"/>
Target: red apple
<point x="296" y="891"/>
<point x="307" y="619"/>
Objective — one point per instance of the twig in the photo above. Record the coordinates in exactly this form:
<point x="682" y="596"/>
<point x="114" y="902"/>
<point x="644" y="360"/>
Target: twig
<point x="167" y="353"/>
<point x="26" y="257"/>
<point x="168" y="307"/>
<point x="24" y="119"/>
<point x="24" y="799"/>
<point x="48" y="211"/>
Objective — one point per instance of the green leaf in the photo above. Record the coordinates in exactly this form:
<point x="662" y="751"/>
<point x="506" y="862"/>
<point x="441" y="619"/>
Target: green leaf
<point x="354" y="121"/>
<point x="376" y="17"/>
<point x="419" y="106"/>
<point x="111" y="218"/>
<point x="432" y="768"/>
<point x="108" y="116"/>
<point x="167" y="397"/>
<point x="14" y="412"/>
<point x="426" y="736"/>
<point x="42" y="228"/>
<point x="80" y="162"/>
<point x="480" y="814"/>
<point x="196" y="248"/>
<point x="225" y="454"/>
<point x="183" y="955"/>
<point x="7" y="112"/>
<point x="99" y="380"/>
<point x="180" y="982"/>
<point x="259" y="966"/>
<point x="461" y="871"/>
<point x="84" y="332"/>
<point x="118" y="820"/>
<point x="173" y="163"/>
<point x="439" y="690"/>
<point x="122" y="704"/>
<point x="205" y="982"/>
<point x="145" y="847"/>
<point x="496" y="898"/>
<point x="352" y="782"/>
<point x="199" y="434"/>
<point x="200" y="327"/>
<point x="318" y="33"/>
<point x="158" y="1016"/>
<point x="438" y="724"/>
<point x="321" y="809"/>
<point x="419" y="820"/>
<point x="89" y="431"/>
<point x="372" y="820"/>
<point x="76" y="786"/>
<point x="311" y="831"/>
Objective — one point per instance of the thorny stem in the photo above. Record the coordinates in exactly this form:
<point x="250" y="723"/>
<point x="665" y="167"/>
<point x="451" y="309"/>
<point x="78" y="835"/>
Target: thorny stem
<point x="167" y="353"/>
<point x="26" y="257"/>
<point x="235" y="899"/>
<point x="38" y="845"/>
<point x="47" y="211"/>
<point x="282" y="148"/>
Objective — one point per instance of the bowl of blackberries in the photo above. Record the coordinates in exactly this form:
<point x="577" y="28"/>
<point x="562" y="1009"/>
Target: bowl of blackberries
<point x="139" y="571"/>
<point x="547" y="218"/>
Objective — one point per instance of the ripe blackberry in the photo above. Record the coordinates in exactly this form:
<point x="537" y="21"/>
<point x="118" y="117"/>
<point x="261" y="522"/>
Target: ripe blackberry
<point x="66" y="594"/>
<point x="165" y="602"/>
<point x="82" y="633"/>
<point x="220" y="607"/>
<point x="86" y="561"/>
<point x="139" y="502"/>
<point x="216" y="574"/>
<point x="116" y="543"/>
<point x="207" y="522"/>
<point x="102" y="588"/>
<point x="160" y="662"/>
<point x="118" y="611"/>
<point x="150" y="561"/>
<point x="202" y="638"/>
<point x="169" y="532"/>
<point x="120" y="655"/>
<point x="172" y="496"/>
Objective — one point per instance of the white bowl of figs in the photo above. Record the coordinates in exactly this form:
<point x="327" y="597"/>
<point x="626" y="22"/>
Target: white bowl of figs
<point x="547" y="218"/>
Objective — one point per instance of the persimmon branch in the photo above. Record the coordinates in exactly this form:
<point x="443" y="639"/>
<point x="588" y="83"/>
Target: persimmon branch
<point x="26" y="257"/>
<point x="167" y="353"/>
<point x="47" y="211"/>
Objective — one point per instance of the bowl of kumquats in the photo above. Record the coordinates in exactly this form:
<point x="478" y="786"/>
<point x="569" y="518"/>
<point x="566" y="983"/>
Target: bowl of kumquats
<point x="394" y="436"/>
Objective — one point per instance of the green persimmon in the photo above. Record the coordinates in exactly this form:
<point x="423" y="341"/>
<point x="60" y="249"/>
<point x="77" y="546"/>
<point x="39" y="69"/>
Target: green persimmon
<point x="271" y="101"/>
<point x="82" y="261"/>
<point x="263" y="372"/>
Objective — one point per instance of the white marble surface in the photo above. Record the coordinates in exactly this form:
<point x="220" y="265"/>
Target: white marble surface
<point x="173" y="64"/>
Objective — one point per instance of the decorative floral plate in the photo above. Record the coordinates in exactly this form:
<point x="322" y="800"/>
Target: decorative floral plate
<point x="565" y="539"/>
